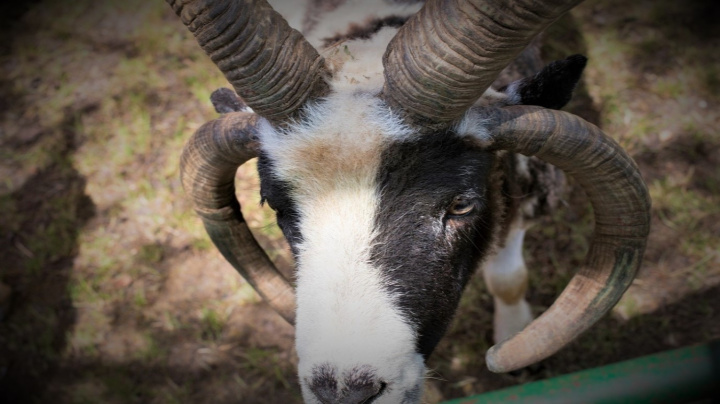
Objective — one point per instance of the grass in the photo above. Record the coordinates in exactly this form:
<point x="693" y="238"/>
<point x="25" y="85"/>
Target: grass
<point x="631" y="68"/>
<point x="679" y="207"/>
<point x="87" y="392"/>
<point x="212" y="325"/>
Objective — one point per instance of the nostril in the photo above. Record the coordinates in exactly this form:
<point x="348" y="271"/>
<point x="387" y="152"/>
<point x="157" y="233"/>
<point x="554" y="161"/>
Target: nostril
<point x="363" y="394"/>
<point x="324" y="384"/>
<point x="383" y="386"/>
<point x="368" y="399"/>
<point x="362" y="386"/>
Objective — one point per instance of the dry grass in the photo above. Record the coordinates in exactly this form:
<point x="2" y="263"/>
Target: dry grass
<point x="119" y="297"/>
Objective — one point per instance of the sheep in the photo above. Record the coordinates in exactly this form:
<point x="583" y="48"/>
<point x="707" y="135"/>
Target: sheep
<point x="391" y="165"/>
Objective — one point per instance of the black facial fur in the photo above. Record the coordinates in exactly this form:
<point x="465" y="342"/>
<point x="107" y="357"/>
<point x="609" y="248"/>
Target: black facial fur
<point x="276" y="194"/>
<point x="552" y="87"/>
<point x="427" y="254"/>
<point x="367" y="30"/>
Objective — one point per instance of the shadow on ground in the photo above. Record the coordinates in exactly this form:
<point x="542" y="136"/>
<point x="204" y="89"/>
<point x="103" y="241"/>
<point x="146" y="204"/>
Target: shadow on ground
<point x="40" y="225"/>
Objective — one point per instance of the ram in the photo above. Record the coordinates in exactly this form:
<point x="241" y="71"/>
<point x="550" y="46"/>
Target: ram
<point x="396" y="170"/>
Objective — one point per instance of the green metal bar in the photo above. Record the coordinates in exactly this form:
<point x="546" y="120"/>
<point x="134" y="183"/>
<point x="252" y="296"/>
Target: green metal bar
<point x="683" y="375"/>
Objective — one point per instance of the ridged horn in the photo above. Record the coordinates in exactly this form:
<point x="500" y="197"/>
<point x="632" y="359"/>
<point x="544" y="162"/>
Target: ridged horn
<point x="621" y="205"/>
<point x="208" y="166"/>
<point x="444" y="57"/>
<point x="270" y="65"/>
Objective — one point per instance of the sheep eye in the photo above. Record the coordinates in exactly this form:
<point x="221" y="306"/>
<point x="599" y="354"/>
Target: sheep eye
<point x="461" y="206"/>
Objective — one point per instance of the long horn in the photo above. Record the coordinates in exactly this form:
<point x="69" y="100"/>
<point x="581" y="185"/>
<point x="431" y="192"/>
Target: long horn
<point x="208" y="165"/>
<point x="270" y="65"/>
<point x="621" y="206"/>
<point x="444" y="58"/>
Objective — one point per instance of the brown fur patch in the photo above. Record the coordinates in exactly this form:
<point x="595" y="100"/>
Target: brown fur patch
<point x="366" y="30"/>
<point x="321" y="163"/>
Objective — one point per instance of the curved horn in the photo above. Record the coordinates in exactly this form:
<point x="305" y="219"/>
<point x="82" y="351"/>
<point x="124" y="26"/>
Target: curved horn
<point x="621" y="204"/>
<point x="270" y="65"/>
<point x="208" y="165"/>
<point x="444" y="58"/>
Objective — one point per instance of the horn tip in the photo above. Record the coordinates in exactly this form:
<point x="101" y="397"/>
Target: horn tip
<point x="494" y="362"/>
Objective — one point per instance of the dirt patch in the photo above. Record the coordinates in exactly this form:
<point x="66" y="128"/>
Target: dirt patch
<point x="41" y="222"/>
<point x="693" y="157"/>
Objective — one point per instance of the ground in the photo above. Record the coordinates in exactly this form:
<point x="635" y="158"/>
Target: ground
<point x="111" y="292"/>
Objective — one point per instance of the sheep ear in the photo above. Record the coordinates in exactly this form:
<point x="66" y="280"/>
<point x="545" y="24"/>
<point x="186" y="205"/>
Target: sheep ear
<point x="226" y="100"/>
<point x="552" y="87"/>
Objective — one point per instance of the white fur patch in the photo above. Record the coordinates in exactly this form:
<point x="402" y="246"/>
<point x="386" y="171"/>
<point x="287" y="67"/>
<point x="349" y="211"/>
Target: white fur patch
<point x="513" y="95"/>
<point x="493" y="97"/>
<point x="510" y="319"/>
<point x="521" y="167"/>
<point x="345" y="315"/>
<point x="474" y="126"/>
<point x="505" y="275"/>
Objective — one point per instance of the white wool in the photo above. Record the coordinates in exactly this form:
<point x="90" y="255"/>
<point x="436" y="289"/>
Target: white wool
<point x="513" y="95"/>
<point x="474" y="126"/>
<point x="506" y="276"/>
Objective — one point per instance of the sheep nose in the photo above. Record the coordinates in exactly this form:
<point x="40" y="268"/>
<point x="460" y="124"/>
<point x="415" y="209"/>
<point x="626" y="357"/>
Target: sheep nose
<point x="359" y="385"/>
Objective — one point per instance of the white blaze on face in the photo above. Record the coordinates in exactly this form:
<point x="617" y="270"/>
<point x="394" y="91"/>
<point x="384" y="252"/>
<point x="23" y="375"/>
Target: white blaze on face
<point x="346" y="317"/>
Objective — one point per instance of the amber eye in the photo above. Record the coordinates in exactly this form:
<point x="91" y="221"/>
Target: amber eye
<point x="461" y="206"/>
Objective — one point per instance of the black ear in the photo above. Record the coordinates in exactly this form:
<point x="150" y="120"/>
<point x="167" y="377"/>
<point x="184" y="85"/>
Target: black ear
<point x="225" y="100"/>
<point x="552" y="87"/>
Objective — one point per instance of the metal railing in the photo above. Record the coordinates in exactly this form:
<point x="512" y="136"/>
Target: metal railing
<point x="685" y="375"/>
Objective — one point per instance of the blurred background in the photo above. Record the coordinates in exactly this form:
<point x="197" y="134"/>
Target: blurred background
<point x="110" y="291"/>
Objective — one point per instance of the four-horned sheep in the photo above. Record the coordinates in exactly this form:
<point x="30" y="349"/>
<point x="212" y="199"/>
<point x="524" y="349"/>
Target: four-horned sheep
<point x="403" y="145"/>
